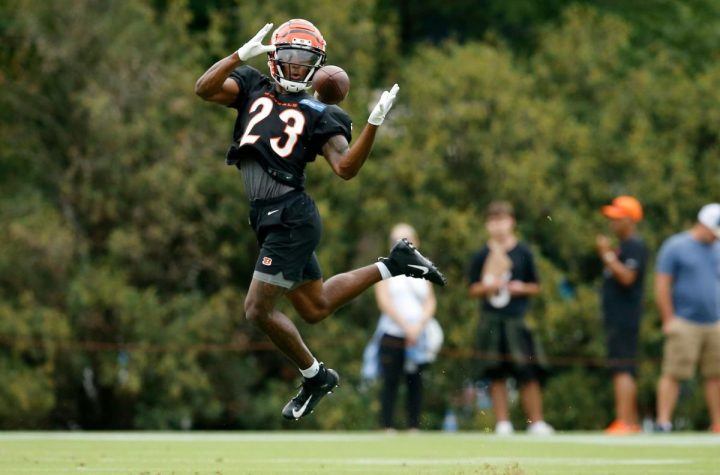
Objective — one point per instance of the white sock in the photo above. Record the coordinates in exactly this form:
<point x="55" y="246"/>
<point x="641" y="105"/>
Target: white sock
<point x="384" y="272"/>
<point x="313" y="370"/>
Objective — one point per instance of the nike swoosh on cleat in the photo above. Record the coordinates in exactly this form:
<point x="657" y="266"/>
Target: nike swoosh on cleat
<point x="424" y="269"/>
<point x="298" y="414"/>
<point x="273" y="211"/>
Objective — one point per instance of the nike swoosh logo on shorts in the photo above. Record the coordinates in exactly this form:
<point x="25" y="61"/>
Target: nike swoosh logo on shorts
<point x="424" y="269"/>
<point x="273" y="211"/>
<point x="298" y="414"/>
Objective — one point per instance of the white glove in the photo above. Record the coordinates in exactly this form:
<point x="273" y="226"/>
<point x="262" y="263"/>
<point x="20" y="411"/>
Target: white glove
<point x="255" y="47"/>
<point x="377" y="116"/>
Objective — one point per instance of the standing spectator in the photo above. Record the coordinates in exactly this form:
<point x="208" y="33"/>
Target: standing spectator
<point x="407" y="307"/>
<point x="687" y="288"/>
<point x="621" y="297"/>
<point x="503" y="275"/>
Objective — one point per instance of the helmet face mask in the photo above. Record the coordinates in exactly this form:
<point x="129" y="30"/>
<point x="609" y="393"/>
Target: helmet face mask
<point x="299" y="52"/>
<point x="295" y="67"/>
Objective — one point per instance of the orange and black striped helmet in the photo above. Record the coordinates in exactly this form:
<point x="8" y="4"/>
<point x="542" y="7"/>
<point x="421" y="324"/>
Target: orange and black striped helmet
<point x="297" y="42"/>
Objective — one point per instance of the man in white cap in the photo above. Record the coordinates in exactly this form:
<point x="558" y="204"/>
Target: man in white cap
<point x="687" y="289"/>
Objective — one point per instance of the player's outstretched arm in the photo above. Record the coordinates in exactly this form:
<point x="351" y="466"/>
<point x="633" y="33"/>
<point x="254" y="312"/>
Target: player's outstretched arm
<point x="215" y="85"/>
<point x="346" y="161"/>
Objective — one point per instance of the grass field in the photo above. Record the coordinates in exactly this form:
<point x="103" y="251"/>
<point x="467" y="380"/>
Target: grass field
<point x="338" y="453"/>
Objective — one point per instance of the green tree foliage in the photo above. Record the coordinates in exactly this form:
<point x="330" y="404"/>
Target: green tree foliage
<point x="686" y="29"/>
<point x="112" y="224"/>
<point x="517" y="22"/>
<point x="125" y="250"/>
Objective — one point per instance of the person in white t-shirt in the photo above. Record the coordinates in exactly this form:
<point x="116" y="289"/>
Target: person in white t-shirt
<point x="407" y="306"/>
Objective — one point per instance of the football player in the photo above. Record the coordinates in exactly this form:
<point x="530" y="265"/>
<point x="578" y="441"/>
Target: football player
<point x="279" y="129"/>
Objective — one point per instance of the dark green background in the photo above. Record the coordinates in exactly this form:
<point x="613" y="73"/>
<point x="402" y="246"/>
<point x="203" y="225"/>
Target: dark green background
<point x="124" y="249"/>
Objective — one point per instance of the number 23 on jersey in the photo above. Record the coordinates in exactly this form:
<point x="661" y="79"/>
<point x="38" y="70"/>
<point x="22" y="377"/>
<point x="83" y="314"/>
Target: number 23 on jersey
<point x="293" y="119"/>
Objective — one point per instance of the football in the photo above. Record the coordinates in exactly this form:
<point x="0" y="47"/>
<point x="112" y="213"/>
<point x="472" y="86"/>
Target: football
<point x="331" y="83"/>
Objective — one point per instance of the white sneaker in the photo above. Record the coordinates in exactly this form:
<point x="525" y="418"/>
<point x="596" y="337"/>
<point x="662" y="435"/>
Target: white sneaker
<point x="540" y="428"/>
<point x="504" y="428"/>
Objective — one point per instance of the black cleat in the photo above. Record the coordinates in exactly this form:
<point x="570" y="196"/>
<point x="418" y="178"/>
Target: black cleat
<point x="405" y="259"/>
<point x="311" y="392"/>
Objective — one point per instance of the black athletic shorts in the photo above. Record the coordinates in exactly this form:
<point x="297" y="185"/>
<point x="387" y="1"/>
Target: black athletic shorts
<point x="507" y="348"/>
<point x="622" y="346"/>
<point x="288" y="230"/>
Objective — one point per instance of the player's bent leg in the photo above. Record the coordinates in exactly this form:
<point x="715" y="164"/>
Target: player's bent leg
<point x="316" y="300"/>
<point x="260" y="310"/>
<point x="309" y="302"/>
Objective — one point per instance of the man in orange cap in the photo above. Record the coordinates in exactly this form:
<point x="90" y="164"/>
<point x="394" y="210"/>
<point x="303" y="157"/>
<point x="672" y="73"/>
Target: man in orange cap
<point x="622" y="295"/>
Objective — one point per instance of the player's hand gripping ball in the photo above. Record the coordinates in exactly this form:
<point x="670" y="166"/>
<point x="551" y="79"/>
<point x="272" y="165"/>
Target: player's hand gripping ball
<point x="331" y="83"/>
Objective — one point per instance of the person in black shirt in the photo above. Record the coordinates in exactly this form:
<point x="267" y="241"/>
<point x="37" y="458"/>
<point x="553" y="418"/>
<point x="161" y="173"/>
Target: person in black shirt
<point x="503" y="275"/>
<point x="621" y="298"/>
<point x="279" y="129"/>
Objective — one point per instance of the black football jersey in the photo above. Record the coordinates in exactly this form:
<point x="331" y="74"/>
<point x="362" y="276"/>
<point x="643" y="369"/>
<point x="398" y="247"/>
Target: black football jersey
<point x="282" y="131"/>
